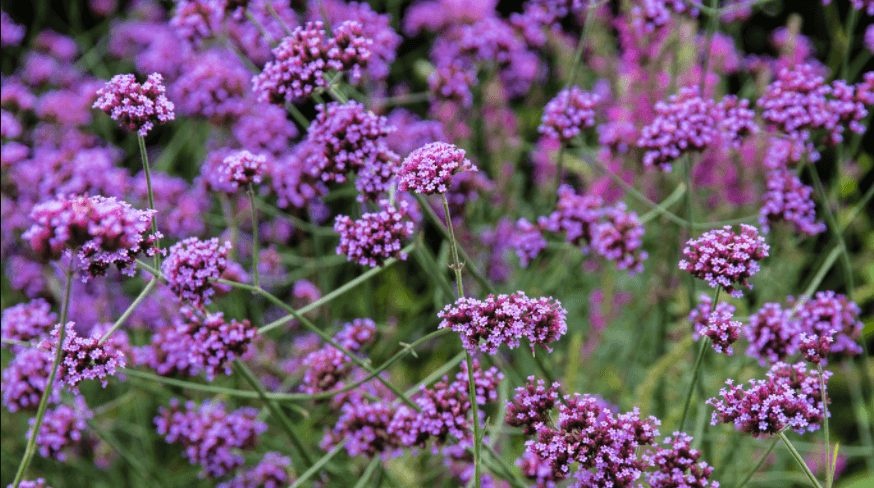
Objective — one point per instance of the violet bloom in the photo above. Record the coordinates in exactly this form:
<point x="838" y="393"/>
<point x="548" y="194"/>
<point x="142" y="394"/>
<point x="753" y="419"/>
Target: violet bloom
<point x="722" y="331"/>
<point x="195" y="20"/>
<point x="357" y="334"/>
<point x="790" y="200"/>
<point x="576" y="216"/>
<point x="736" y="120"/>
<point x="39" y="483"/>
<point x="568" y="114"/>
<point x="135" y="106"/>
<point x="212" y="342"/>
<point x="673" y="463"/>
<point x="772" y="334"/>
<point x="265" y="128"/>
<point x="412" y="132"/>
<point x="796" y="102"/>
<point x="429" y="169"/>
<point x="683" y="124"/>
<point x="527" y="241"/>
<point x="723" y="258"/>
<point x="215" y="86"/>
<point x="27" y="321"/>
<point x="241" y="169"/>
<point x="364" y="424"/>
<point x="272" y="471"/>
<point x="700" y="315"/>
<point x="828" y="311"/>
<point x="451" y="83"/>
<point x="504" y="320"/>
<point x="304" y="59"/>
<point x="25" y="379"/>
<point x="210" y="436"/>
<point x="531" y="406"/>
<point x="815" y="348"/>
<point x="618" y="238"/>
<point x="375" y="237"/>
<point x="325" y="368"/>
<point x="62" y="431"/>
<point x="193" y="265"/>
<point x="12" y="32"/>
<point x="537" y="470"/>
<point x="83" y="358"/>
<point x="102" y="230"/>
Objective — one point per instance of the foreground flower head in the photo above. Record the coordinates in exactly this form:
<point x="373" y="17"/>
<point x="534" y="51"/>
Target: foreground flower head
<point x="832" y="314"/>
<point x="429" y="169"/>
<point x="193" y="265"/>
<point x="134" y="106"/>
<point x="504" y="320"/>
<point x="85" y="358"/>
<point x="272" y="471"/>
<point x="723" y="258"/>
<point x="375" y="237"/>
<point x="102" y="230"/>
<point x="531" y="406"/>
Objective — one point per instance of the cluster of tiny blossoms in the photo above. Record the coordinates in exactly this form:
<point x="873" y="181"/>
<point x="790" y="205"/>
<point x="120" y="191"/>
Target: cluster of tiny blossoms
<point x="531" y="405"/>
<point x="136" y="107"/>
<point x="85" y="358"/>
<point x="429" y="169"/>
<point x="239" y="170"/>
<point x="568" y="114"/>
<point x="271" y="472"/>
<point x="325" y="368"/>
<point x="25" y="379"/>
<point x="722" y="331"/>
<point x="102" y="231"/>
<point x="375" y="237"/>
<point x="63" y="431"/>
<point x="191" y="267"/>
<point x="789" y="200"/>
<point x="504" y="320"/>
<point x="27" y="321"/>
<point x="722" y="258"/>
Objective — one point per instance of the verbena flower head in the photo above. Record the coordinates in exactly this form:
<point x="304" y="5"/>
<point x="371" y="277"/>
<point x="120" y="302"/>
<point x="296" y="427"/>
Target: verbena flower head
<point x="62" y="431"/>
<point x="135" y="106"/>
<point x="304" y="59"/>
<point x="527" y="241"/>
<point x="214" y="86"/>
<point x="797" y="101"/>
<point x="241" y="169"/>
<point x="700" y="315"/>
<point x="722" y="331"/>
<point x="568" y="114"/>
<point x="828" y="311"/>
<point x="618" y="238"/>
<point x="25" y="379"/>
<point x="790" y="200"/>
<point x="375" y="237"/>
<point x="39" y="483"/>
<point x="211" y="436"/>
<point x="212" y="342"/>
<point x="531" y="406"/>
<point x="576" y="216"/>
<point x="429" y="169"/>
<point x="722" y="258"/>
<point x="83" y="358"/>
<point x="102" y="230"/>
<point x="505" y="319"/>
<point x="736" y="119"/>
<point x="364" y="424"/>
<point x="325" y="368"/>
<point x="191" y="267"/>
<point x="195" y="20"/>
<point x="12" y="32"/>
<point x="678" y="466"/>
<point x="772" y="334"/>
<point x="815" y="348"/>
<point x="27" y="321"/>
<point x="272" y="471"/>
<point x="683" y="124"/>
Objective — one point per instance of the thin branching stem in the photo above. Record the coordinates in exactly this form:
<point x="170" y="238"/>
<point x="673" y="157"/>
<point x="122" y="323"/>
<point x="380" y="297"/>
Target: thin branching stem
<point x="799" y="460"/>
<point x="696" y="372"/>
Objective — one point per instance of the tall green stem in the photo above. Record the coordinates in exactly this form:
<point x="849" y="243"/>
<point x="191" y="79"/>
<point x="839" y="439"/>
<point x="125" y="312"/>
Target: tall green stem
<point x="129" y="310"/>
<point x="799" y="460"/>
<point x="758" y="464"/>
<point x="255" y="251"/>
<point x="705" y="341"/>
<point x="711" y="28"/>
<point x="44" y="399"/>
<point x="851" y="28"/>
<point x="145" y="157"/>
<point x="830" y="218"/>
<point x="828" y="462"/>
<point x="470" y="378"/>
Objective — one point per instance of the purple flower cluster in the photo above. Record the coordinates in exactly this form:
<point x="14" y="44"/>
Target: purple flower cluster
<point x="531" y="405"/>
<point x="788" y="398"/>
<point x="772" y="334"/>
<point x="537" y="470"/>
<point x="828" y="311"/>
<point x="568" y="114"/>
<point x="192" y="265"/>
<point x="375" y="237"/>
<point x="790" y="200"/>
<point x="12" y="32"/>
<point x="25" y="379"/>
<point x="504" y="320"/>
<point x="412" y="132"/>
<point x="429" y="169"/>
<point x="700" y="315"/>
<point x="722" y="331"/>
<point x="683" y="124"/>
<point x="27" y="321"/>
<point x="195" y="20"/>
<point x="527" y="241"/>
<point x="325" y="368"/>
<point x="85" y="358"/>
<point x="62" y="431"/>
<point x="304" y="59"/>
<point x="210" y="435"/>
<point x="135" y="106"/>
<point x="365" y="424"/>
<point x="102" y="230"/>
<point x="815" y="348"/>
<point x="214" y="86"/>
<point x="722" y="258"/>
<point x="271" y="472"/>
<point x="239" y="170"/>
<point x="39" y="483"/>
<point x="264" y="128"/>
<point x="673" y="463"/>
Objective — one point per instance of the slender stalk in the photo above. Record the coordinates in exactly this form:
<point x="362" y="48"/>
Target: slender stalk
<point x="851" y="28"/>
<point x="251" y="192"/>
<point x="759" y="464"/>
<point x="44" y="399"/>
<point x="365" y="477"/>
<point x="129" y="310"/>
<point x="145" y="157"/>
<point x="578" y="55"/>
<point x="799" y="460"/>
<point x="690" y="218"/>
<point x="269" y="5"/>
<point x="861" y="411"/>
<point x="231" y="222"/>
<point x="318" y="465"/>
<point x="266" y="35"/>
<point x="558" y="173"/>
<point x="667" y="202"/>
<point x="402" y="99"/>
<point x="705" y="341"/>
<point x="828" y="461"/>
<point x="477" y="440"/>
<point x="832" y="223"/>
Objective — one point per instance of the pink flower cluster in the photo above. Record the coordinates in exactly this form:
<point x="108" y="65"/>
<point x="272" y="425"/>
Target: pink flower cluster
<point x="531" y="406"/>
<point x="63" y="431"/>
<point x="85" y="358"/>
<point x="673" y="463"/>
<point x="325" y="368"/>
<point x="722" y="331"/>
<point x="722" y="258"/>
<point x="102" y="230"/>
<point x="191" y="267"/>
<point x="772" y="334"/>
<point x="815" y="348"/>
<point x="25" y="379"/>
<point x="568" y="114"/>
<point x="375" y="237"/>
<point x="27" y="321"/>
<point x="211" y="436"/>
<point x="135" y="106"/>
<point x="240" y="169"/>
<point x="305" y="58"/>
<point x="271" y="472"/>
<point x="789" y="200"/>
<point x="429" y="169"/>
<point x="505" y="319"/>
<point x="700" y="315"/>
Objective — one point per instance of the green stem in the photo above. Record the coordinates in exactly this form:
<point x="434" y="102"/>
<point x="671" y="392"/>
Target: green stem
<point x="368" y="472"/>
<point x="129" y="310"/>
<point x="297" y="115"/>
<point x="832" y="223"/>
<point x="861" y="411"/>
<point x="44" y="399"/>
<point x="851" y="28"/>
<point x="319" y="464"/>
<point x="261" y="29"/>
<point x="578" y="55"/>
<point x="231" y="222"/>
<point x="275" y="410"/>
<point x="799" y="460"/>
<point x="667" y="202"/>
<point x="690" y="217"/>
<point x="309" y="227"/>
<point x="558" y="172"/>
<point x="255" y="251"/>
<point x="758" y="464"/>
<point x="145" y="157"/>
<point x="705" y="341"/>
<point x="828" y="462"/>
<point x="477" y="440"/>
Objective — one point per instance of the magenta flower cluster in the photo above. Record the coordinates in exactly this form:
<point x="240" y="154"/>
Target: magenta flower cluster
<point x="215" y="87"/>
<point x="505" y="319"/>
<point x="304" y="59"/>
<point x="325" y="368"/>
<point x="722" y="331"/>
<point x="85" y="358"/>
<point x="210" y="436"/>
<point x="63" y="431"/>
<point x="678" y="466"/>
<point x="136" y="107"/>
<point x="772" y="334"/>
<point x="102" y="231"/>
<point x="814" y="349"/>
<point x="26" y="322"/>
<point x="271" y="472"/>
<point x="723" y="258"/>
<point x="530" y="406"/>
<point x="429" y="169"/>
<point x="239" y="170"/>
<point x="700" y="315"/>
<point x="375" y="237"/>
<point x="789" y="200"/>
<point x="568" y="114"/>
<point x="25" y="379"/>
<point x="193" y="265"/>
